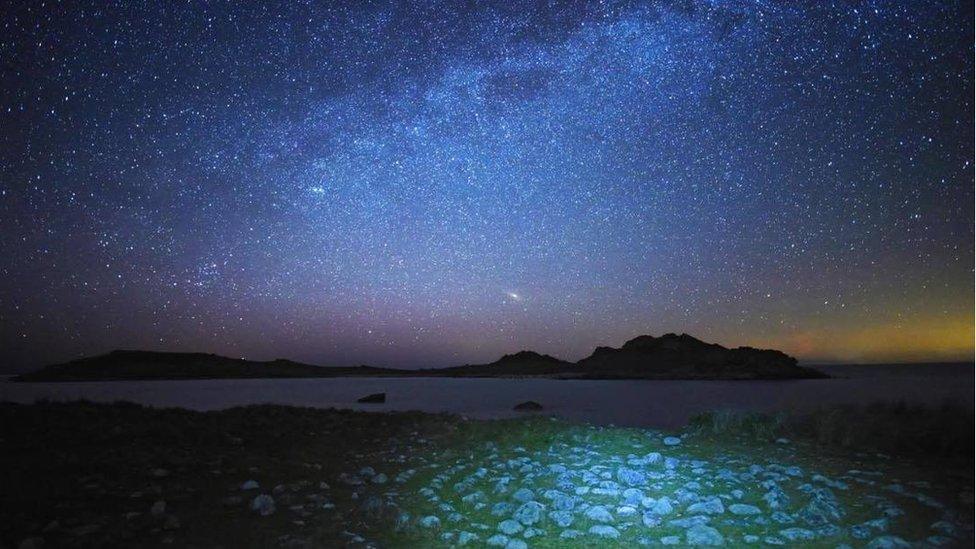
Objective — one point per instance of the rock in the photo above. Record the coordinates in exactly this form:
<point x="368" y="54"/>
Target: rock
<point x="473" y="498"/>
<point x="510" y="527"/>
<point x="650" y="519"/>
<point x="31" y="543"/>
<point x="431" y="522"/>
<point x="562" y="519"/>
<point x="703" y="535"/>
<point x="498" y="540"/>
<point x="528" y="406"/>
<point x="502" y="508"/>
<point x="944" y="527"/>
<point x="743" y="509"/>
<point x="158" y="508"/>
<point x="599" y="513"/>
<point x="529" y="513"/>
<point x="250" y="485"/>
<point x="672" y="441"/>
<point x="776" y="498"/>
<point x="630" y="477"/>
<point x="160" y="473"/>
<point x="797" y="534"/>
<point x="350" y="480"/>
<point x="633" y="496"/>
<point x="516" y="544"/>
<point x="533" y="532"/>
<point x="661" y="507"/>
<point x="749" y="538"/>
<point x="562" y="502"/>
<point x="670" y="540"/>
<point x="823" y="508"/>
<point x="626" y="511"/>
<point x="85" y="530"/>
<point x="232" y="501"/>
<point x="782" y="518"/>
<point x="604" y="531"/>
<point x="465" y="538"/>
<point x="570" y="534"/>
<point x="263" y="504"/>
<point x="888" y="542"/>
<point x="380" y="479"/>
<point x="523" y="495"/>
<point x="375" y="398"/>
<point x="710" y="506"/>
<point x="688" y="522"/>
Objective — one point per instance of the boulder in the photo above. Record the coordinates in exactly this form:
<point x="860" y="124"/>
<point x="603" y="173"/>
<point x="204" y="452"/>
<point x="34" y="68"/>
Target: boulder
<point x="375" y="398"/>
<point x="528" y="406"/>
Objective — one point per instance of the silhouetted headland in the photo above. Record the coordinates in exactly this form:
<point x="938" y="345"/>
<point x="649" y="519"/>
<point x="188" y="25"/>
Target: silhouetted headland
<point x="645" y="357"/>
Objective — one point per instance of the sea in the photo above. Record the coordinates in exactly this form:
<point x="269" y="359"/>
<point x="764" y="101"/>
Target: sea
<point x="638" y="403"/>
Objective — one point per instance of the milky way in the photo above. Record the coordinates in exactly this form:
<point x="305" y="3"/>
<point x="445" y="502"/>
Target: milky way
<point x="440" y="183"/>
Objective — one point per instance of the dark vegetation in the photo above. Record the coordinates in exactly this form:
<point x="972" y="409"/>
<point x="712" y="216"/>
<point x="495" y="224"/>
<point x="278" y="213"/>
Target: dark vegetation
<point x="942" y="433"/>
<point x="667" y="357"/>
<point x="88" y="475"/>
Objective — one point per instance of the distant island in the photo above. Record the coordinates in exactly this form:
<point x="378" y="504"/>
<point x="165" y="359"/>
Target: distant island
<point x="670" y="356"/>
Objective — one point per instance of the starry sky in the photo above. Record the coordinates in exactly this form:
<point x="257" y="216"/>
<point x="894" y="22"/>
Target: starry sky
<point x="434" y="183"/>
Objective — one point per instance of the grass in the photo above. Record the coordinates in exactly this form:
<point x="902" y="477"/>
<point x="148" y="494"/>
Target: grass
<point x="943" y="433"/>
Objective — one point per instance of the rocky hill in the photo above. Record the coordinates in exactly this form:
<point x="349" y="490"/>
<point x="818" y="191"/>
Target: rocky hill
<point x="132" y="365"/>
<point x="685" y="357"/>
<point x="646" y="357"/>
<point x="520" y="364"/>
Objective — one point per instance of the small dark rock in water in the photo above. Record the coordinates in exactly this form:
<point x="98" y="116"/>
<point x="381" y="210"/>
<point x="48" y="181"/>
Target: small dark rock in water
<point x="376" y="398"/>
<point x="528" y="406"/>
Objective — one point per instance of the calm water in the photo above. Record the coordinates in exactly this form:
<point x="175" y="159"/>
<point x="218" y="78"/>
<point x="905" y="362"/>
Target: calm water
<point x="637" y="403"/>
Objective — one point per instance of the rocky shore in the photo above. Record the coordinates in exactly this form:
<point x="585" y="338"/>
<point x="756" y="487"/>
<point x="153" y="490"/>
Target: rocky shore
<point x="83" y="474"/>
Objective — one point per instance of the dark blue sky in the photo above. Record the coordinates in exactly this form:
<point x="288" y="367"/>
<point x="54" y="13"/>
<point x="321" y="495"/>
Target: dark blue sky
<point x="443" y="182"/>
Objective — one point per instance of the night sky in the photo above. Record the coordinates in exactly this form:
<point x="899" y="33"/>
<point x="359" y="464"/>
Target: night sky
<point x="444" y="182"/>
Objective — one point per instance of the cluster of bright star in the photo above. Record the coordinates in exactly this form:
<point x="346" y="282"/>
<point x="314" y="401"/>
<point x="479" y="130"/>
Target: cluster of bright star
<point x="425" y="183"/>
